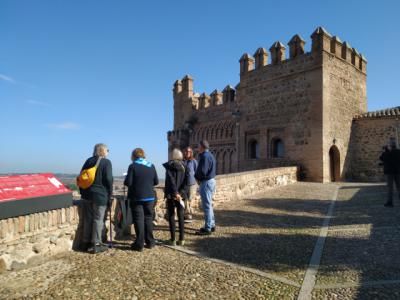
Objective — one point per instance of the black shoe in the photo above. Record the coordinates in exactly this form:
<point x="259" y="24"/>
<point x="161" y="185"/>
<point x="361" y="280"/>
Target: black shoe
<point x="84" y="247"/>
<point x="203" y="231"/>
<point x="99" y="248"/>
<point x="213" y="229"/>
<point x="135" y="247"/>
<point x="150" y="246"/>
<point x="388" y="204"/>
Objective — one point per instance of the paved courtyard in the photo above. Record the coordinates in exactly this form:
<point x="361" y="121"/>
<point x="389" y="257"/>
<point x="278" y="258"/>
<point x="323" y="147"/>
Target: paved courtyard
<point x="302" y="241"/>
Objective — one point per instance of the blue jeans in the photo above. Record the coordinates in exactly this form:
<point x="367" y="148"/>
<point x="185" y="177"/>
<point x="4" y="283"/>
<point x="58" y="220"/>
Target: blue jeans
<point x="207" y="190"/>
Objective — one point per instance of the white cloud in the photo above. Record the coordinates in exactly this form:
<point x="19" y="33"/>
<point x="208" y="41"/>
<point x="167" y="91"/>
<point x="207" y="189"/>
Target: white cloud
<point x="35" y="102"/>
<point x="64" y="126"/>
<point x="7" y="78"/>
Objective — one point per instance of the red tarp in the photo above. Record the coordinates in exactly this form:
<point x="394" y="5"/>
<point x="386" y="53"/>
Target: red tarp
<point x="17" y="187"/>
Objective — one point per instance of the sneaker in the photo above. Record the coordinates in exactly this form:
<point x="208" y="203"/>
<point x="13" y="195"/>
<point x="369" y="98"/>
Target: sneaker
<point x="388" y="204"/>
<point x="203" y="231"/>
<point x="135" y="247"/>
<point x="171" y="243"/>
<point x="181" y="243"/>
<point x="188" y="219"/>
<point x="99" y="248"/>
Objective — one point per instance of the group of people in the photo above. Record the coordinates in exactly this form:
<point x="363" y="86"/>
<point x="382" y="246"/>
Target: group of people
<point x="391" y="168"/>
<point x="184" y="175"/>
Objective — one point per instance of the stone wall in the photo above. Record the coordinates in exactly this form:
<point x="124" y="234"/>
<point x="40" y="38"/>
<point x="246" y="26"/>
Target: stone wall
<point x="344" y="97"/>
<point x="369" y="135"/>
<point x="236" y="186"/>
<point x="25" y="239"/>
<point x="30" y="238"/>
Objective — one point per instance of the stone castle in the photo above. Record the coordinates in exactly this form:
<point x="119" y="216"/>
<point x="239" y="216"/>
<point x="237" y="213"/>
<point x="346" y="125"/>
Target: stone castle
<point x="308" y="110"/>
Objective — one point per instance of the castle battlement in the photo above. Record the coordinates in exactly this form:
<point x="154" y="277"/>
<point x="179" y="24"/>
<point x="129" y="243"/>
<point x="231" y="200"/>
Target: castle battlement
<point x="184" y="87"/>
<point x="322" y="41"/>
<point x="271" y="63"/>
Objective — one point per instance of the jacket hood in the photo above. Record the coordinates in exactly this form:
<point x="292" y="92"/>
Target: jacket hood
<point x="174" y="165"/>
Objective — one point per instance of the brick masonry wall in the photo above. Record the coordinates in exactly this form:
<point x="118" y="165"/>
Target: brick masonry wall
<point x="25" y="238"/>
<point x="368" y="137"/>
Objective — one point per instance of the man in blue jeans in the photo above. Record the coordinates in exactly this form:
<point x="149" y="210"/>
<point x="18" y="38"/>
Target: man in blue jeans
<point x="205" y="174"/>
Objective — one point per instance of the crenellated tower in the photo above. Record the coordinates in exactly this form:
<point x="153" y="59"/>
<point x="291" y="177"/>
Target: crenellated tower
<point x="287" y="109"/>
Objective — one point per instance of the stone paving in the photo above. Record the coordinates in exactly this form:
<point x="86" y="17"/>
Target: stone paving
<point x="261" y="250"/>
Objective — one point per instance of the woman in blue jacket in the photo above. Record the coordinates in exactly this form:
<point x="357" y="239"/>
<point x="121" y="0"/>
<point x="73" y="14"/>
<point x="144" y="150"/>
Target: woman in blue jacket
<point x="140" y="180"/>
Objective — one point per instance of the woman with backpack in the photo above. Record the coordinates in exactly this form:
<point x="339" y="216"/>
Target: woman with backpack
<point x="96" y="195"/>
<point x="175" y="186"/>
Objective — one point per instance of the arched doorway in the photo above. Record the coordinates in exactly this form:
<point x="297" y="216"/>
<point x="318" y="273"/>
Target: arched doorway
<point x="334" y="163"/>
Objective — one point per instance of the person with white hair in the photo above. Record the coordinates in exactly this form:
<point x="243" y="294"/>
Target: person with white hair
<point x="175" y="185"/>
<point x="96" y="198"/>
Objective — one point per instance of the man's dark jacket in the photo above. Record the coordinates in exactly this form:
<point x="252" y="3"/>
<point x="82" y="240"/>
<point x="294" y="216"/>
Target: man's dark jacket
<point x="175" y="179"/>
<point x="206" y="168"/>
<point x="101" y="190"/>
<point x="391" y="161"/>
<point x="140" y="180"/>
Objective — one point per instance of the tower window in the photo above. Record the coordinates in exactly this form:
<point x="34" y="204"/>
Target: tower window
<point x="278" y="148"/>
<point x="254" y="151"/>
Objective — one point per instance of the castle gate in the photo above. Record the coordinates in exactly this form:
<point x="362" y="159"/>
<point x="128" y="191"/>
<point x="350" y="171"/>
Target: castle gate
<point x="334" y="163"/>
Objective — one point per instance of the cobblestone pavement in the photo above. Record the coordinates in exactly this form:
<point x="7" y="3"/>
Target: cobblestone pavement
<point x="261" y="250"/>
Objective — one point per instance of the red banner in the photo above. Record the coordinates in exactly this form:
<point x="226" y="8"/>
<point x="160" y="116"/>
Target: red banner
<point x="18" y="187"/>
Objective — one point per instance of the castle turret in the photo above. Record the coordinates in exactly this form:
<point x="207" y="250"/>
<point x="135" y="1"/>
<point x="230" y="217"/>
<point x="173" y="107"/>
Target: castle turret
<point x="347" y="52"/>
<point x="177" y="87"/>
<point x="187" y="85"/>
<point x="321" y="40"/>
<point x="216" y="98"/>
<point x="205" y="100"/>
<point x="363" y="63"/>
<point x="228" y="94"/>
<point x="261" y="56"/>
<point x="246" y="63"/>
<point x="336" y="46"/>
<point x="355" y="58"/>
<point x="277" y="52"/>
<point x="296" y="46"/>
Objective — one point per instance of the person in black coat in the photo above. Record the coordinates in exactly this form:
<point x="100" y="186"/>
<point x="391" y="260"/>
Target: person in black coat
<point x="391" y="168"/>
<point x="140" y="180"/>
<point x="175" y="187"/>
<point x="96" y="198"/>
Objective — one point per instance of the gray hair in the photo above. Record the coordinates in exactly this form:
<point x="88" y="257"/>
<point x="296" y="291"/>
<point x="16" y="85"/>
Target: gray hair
<point x="204" y="144"/>
<point x="100" y="149"/>
<point x="177" y="154"/>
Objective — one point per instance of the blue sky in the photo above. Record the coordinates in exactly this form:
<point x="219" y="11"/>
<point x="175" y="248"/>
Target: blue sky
<point x="74" y="73"/>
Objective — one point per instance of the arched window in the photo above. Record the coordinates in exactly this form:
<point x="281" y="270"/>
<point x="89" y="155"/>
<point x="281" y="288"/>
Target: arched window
<point x="254" y="151"/>
<point x="278" y="148"/>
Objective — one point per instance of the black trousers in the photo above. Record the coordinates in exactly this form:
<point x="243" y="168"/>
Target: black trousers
<point x="171" y="205"/>
<point x="392" y="179"/>
<point x="142" y="216"/>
